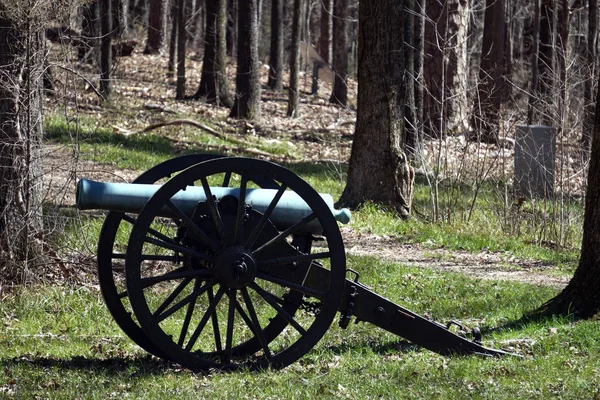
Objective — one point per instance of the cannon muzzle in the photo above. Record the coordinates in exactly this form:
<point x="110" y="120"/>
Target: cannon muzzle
<point x="131" y="198"/>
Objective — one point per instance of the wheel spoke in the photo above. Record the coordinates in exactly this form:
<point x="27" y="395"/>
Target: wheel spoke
<point x="264" y="218"/>
<point x="239" y="221"/>
<point x="191" y="225"/>
<point x="179" y="273"/>
<point x="289" y="231"/>
<point x="197" y="292"/>
<point x="226" y="179"/>
<point x="258" y="332"/>
<point x="273" y="302"/>
<point x="177" y="248"/>
<point x="215" y="323"/>
<point x="209" y="313"/>
<point x="214" y="211"/>
<point x="230" y="321"/>
<point x="296" y="258"/>
<point x="172" y="296"/>
<point x="188" y="316"/>
<point x="293" y="285"/>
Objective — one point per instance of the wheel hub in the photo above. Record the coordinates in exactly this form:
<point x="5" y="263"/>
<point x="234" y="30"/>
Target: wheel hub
<point x="235" y="267"/>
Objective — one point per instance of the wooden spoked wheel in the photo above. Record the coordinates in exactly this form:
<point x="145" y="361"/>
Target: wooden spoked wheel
<point x="228" y="286"/>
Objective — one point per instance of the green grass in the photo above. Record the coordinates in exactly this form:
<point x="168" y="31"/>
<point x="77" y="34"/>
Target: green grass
<point x="60" y="342"/>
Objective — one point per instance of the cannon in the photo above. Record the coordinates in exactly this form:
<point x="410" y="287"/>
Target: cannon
<point x="227" y="262"/>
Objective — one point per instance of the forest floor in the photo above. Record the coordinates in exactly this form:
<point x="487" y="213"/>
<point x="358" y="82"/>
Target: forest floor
<point x="142" y="96"/>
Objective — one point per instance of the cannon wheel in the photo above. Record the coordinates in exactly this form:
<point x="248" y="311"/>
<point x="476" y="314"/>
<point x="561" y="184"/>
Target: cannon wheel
<point x="233" y="271"/>
<point x="110" y="259"/>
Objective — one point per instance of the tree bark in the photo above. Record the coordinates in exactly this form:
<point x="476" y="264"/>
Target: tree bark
<point x="21" y="57"/>
<point x="379" y="170"/>
<point x="410" y="110"/>
<point x="214" y="86"/>
<point x="276" y="52"/>
<point x="155" y="27"/>
<point x="294" y="95"/>
<point x="340" y="52"/>
<point x="581" y="297"/>
<point x="486" y="110"/>
<point x="105" y="47"/>
<point x="247" y="84"/>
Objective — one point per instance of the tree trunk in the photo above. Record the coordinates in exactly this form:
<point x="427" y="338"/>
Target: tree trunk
<point x="213" y="82"/>
<point x="294" y="95"/>
<point x="87" y="49"/>
<point x="486" y="110"/>
<point x="276" y="53"/>
<point x="173" y="37"/>
<point x="247" y="84"/>
<point x="340" y="52"/>
<point x="181" y="38"/>
<point x="581" y="297"/>
<point x="232" y="16"/>
<point x="105" y="47"/>
<point x="445" y="67"/>
<point x="155" y="27"/>
<point x="325" y="24"/>
<point x="379" y="170"/>
<point x="410" y="109"/>
<point x="21" y="55"/>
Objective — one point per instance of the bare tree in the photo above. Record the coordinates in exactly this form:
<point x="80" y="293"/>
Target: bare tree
<point x="247" y="84"/>
<point x="105" y="46"/>
<point x="21" y="57"/>
<point x="155" y="27"/>
<point x="294" y="95"/>
<point x="340" y="52"/>
<point x="325" y="25"/>
<point x="181" y="39"/>
<point x="379" y="169"/>
<point x="486" y="110"/>
<point x="276" y="52"/>
<point x="591" y="54"/>
<point x="213" y="81"/>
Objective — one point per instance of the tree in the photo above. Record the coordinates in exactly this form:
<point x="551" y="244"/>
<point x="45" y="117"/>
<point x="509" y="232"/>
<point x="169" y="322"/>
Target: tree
<point x="324" y="44"/>
<point x="105" y="47"/>
<point x="445" y="67"/>
<point x="339" y="94"/>
<point x="486" y="119"/>
<point x="276" y="52"/>
<point x="181" y="38"/>
<point x="21" y="57"/>
<point x="379" y="169"/>
<point x="294" y="95"/>
<point x="581" y="297"/>
<point x="592" y="43"/>
<point x="155" y="27"/>
<point x="247" y="84"/>
<point x="213" y="81"/>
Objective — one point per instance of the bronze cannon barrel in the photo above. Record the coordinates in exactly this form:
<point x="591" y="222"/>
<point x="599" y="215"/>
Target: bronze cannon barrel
<point x="126" y="197"/>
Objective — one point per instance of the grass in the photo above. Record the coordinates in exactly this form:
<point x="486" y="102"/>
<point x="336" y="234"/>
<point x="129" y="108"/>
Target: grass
<point x="60" y="342"/>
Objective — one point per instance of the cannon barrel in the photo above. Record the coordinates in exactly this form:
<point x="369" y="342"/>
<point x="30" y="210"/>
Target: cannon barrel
<point x="127" y="197"/>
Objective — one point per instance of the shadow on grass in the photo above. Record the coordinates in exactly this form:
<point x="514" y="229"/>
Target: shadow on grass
<point x="143" y="365"/>
<point x="393" y="347"/>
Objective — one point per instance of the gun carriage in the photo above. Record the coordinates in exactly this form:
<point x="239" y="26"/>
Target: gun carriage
<point x="236" y="262"/>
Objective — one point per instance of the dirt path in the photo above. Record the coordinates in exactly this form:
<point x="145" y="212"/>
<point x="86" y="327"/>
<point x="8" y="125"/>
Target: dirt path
<point x="484" y="265"/>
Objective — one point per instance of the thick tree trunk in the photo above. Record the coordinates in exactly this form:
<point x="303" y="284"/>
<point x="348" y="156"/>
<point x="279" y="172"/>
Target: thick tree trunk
<point x="105" y="47"/>
<point x="21" y="57"/>
<point x="213" y="81"/>
<point x="379" y="170"/>
<point x="445" y="67"/>
<point x="294" y="95"/>
<point x="340" y="52"/>
<point x="486" y="110"/>
<point x="276" y="52"/>
<point x="247" y="84"/>
<point x="155" y="27"/>
<point x="581" y="297"/>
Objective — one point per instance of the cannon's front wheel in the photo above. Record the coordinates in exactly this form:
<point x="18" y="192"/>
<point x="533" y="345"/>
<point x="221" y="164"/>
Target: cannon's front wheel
<point x="227" y="286"/>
